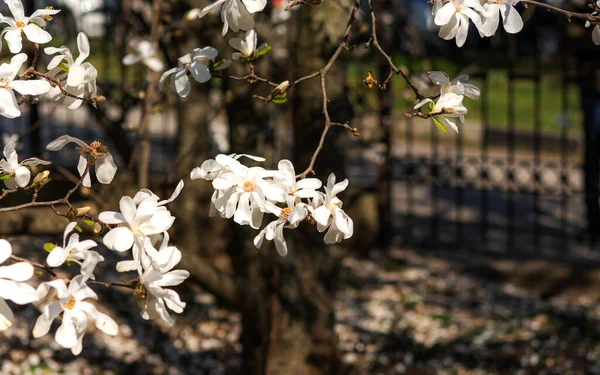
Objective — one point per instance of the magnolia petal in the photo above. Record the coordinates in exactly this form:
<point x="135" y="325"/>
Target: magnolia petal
<point x="5" y="250"/>
<point x="62" y="141"/>
<point x="17" y="292"/>
<point x="76" y="75"/>
<point x="173" y="278"/>
<point x="21" y="271"/>
<point x="131" y="59"/>
<point x="83" y="44"/>
<point x="82" y="165"/>
<point x="111" y="217"/>
<point x="36" y="34"/>
<point x="119" y="239"/>
<point x="44" y="321"/>
<point x="105" y="169"/>
<point x="22" y="176"/>
<point x="6" y="316"/>
<point x="200" y="72"/>
<point x="155" y="64"/>
<point x="511" y="19"/>
<point x="164" y="76"/>
<point x="66" y="335"/>
<point x="8" y="104"/>
<point x="445" y="14"/>
<point x="13" y="39"/>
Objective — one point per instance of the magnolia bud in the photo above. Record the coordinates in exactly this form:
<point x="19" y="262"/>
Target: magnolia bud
<point x="283" y="86"/>
<point x="81" y="211"/>
<point x="192" y="14"/>
<point x="97" y="229"/>
<point x="41" y="178"/>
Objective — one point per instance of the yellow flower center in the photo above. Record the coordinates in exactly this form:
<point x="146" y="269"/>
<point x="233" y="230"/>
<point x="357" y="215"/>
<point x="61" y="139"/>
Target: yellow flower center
<point x="94" y="146"/>
<point x="20" y="24"/>
<point x="71" y="304"/>
<point x="4" y="83"/>
<point x="248" y="186"/>
<point x="285" y="212"/>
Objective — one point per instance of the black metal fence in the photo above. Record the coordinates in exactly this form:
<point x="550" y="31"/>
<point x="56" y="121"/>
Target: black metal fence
<point x="504" y="191"/>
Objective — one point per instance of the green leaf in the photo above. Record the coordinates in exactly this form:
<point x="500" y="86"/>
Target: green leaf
<point x="430" y="106"/>
<point x="279" y="99"/>
<point x="88" y="222"/>
<point x="78" y="228"/>
<point x="262" y="51"/>
<point x="49" y="246"/>
<point x="63" y="67"/>
<point x="4" y="176"/>
<point x="439" y="125"/>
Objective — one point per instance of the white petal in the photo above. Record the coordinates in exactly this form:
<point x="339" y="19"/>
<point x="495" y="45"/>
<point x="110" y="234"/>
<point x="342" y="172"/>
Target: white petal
<point x="13" y="38"/>
<point x="200" y="72"/>
<point x="21" y="271"/>
<point x="22" y="176"/>
<point x="119" y="239"/>
<point x="31" y="87"/>
<point x="105" y="169"/>
<point x="44" y="321"/>
<point x="66" y="336"/>
<point x="83" y="44"/>
<point x="511" y="19"/>
<point x="17" y="292"/>
<point x="5" y="250"/>
<point x="76" y="75"/>
<point x="36" y="34"/>
<point x="445" y="14"/>
<point x="8" y="104"/>
<point x="62" y="141"/>
<point x="6" y="316"/>
<point x="111" y="217"/>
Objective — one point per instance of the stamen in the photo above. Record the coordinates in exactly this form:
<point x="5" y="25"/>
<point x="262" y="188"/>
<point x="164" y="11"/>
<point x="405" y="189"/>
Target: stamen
<point x="248" y="186"/>
<point x="71" y="304"/>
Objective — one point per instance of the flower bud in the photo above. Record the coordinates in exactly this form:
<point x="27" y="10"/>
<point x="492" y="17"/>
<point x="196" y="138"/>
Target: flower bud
<point x="81" y="211"/>
<point x="41" y="179"/>
<point x="283" y="86"/>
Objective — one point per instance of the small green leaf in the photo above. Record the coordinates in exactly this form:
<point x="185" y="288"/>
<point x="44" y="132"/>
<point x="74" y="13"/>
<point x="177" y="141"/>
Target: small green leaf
<point x="279" y="99"/>
<point x="262" y="51"/>
<point x="49" y="246"/>
<point x="63" y="67"/>
<point x="4" y="176"/>
<point x="430" y="106"/>
<point x="88" y="222"/>
<point x="439" y="125"/>
<point x="78" y="228"/>
<point x="69" y="263"/>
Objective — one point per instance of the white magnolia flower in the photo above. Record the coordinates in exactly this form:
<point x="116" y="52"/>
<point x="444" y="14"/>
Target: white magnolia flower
<point x="13" y="286"/>
<point x="166" y="257"/>
<point x="246" y="46"/>
<point x="30" y="26"/>
<point x="135" y="223"/>
<point x="75" y="251"/>
<point x="305" y="188"/>
<point x="236" y="14"/>
<point x="511" y="19"/>
<point x="196" y="63"/>
<point x="154" y="279"/>
<point x="596" y="31"/>
<point x="81" y="76"/>
<point x="451" y="105"/>
<point x="8" y="85"/>
<point x="144" y="52"/>
<point x="329" y="213"/>
<point x="210" y="170"/>
<point x="243" y="191"/>
<point x="457" y="85"/>
<point x="454" y="16"/>
<point x="288" y="217"/>
<point x="95" y="153"/>
<point x="20" y="174"/>
<point x="70" y="301"/>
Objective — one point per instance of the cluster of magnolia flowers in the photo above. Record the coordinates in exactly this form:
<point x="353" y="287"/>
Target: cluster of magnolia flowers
<point x="140" y="226"/>
<point x="79" y="77"/>
<point x="449" y="103"/>
<point x="455" y="16"/>
<point x="247" y="193"/>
